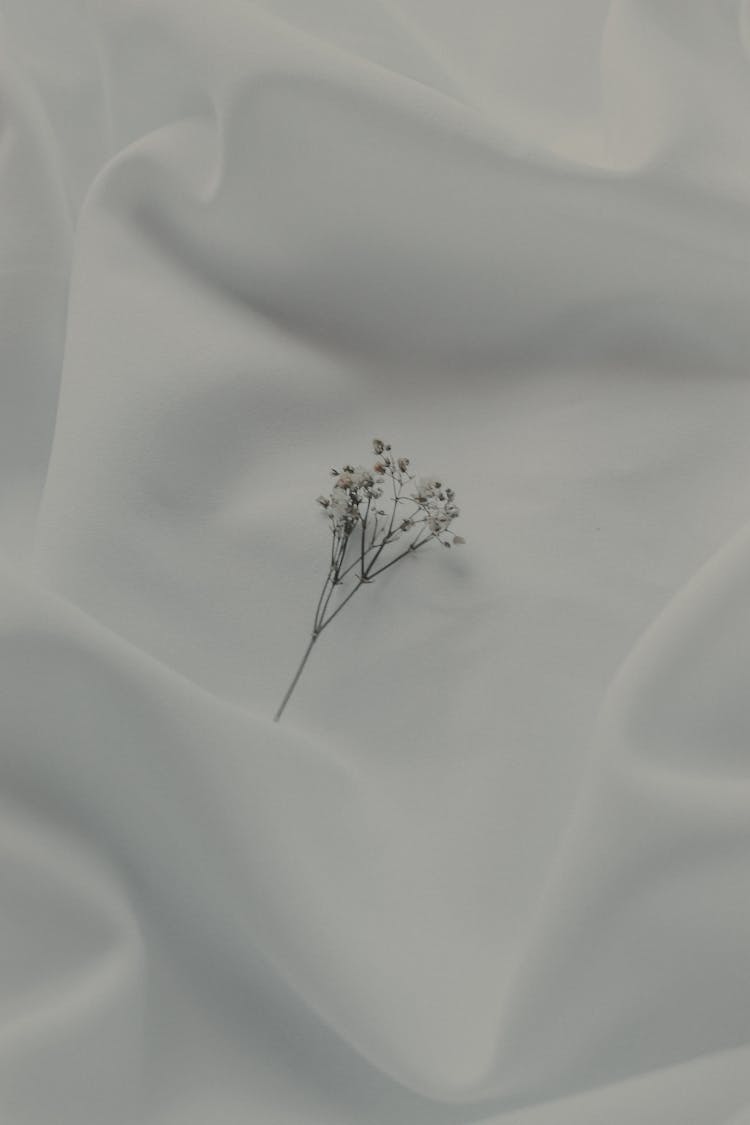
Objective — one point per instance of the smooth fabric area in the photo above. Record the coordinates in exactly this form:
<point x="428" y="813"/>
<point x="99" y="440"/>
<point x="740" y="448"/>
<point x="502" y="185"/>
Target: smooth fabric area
<point x="493" y="864"/>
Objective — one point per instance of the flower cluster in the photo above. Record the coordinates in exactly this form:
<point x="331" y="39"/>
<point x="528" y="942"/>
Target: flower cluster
<point x="354" y="486"/>
<point x="439" y="506"/>
<point x="350" y="501"/>
<point x="370" y="509"/>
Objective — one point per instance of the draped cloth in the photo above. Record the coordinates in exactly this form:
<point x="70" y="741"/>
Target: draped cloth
<point x="493" y="864"/>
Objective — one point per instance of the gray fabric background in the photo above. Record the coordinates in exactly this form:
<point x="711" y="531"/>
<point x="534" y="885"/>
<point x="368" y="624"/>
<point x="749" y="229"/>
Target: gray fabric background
<point x="493" y="866"/>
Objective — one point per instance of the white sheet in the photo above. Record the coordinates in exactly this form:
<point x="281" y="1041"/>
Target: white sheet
<point x="493" y="865"/>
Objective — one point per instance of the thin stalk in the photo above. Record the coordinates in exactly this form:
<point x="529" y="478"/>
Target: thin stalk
<point x="329" y="578"/>
<point x="387" y="539"/>
<point x="320" y="626"/>
<point x="335" y="579"/>
<point x="412" y="547"/>
<point x="297" y="675"/>
<point x="338" y="608"/>
<point x="362" y="541"/>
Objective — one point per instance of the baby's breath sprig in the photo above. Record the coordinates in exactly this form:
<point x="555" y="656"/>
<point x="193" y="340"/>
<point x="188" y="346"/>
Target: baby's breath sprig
<point x="369" y="510"/>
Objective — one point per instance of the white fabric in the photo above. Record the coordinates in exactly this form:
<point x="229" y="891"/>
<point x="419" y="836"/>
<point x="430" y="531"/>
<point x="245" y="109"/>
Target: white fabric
<point x="493" y="865"/>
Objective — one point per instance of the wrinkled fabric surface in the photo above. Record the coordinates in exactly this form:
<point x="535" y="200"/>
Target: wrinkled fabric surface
<point x="493" y="865"/>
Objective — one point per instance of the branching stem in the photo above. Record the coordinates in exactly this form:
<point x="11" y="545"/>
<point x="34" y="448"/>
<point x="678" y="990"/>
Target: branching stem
<point x="427" y="527"/>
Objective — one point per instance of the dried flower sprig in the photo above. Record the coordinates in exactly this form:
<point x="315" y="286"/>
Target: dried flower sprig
<point x="370" y="509"/>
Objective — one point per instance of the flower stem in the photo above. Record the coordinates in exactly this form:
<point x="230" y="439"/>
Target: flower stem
<point x="349" y="507"/>
<point x="341" y="605"/>
<point x="297" y="675"/>
<point x="414" y="546"/>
